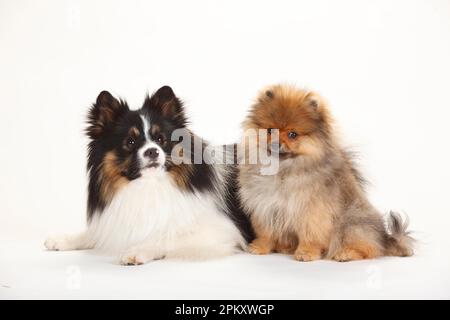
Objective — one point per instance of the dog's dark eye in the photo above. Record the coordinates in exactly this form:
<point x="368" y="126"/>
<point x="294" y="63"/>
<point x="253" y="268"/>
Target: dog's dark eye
<point x="131" y="142"/>
<point x="161" y="139"/>
<point x="292" y="135"/>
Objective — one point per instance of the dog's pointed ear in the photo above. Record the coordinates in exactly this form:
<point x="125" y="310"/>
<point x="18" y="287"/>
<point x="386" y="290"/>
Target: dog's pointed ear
<point x="165" y="102"/>
<point x="269" y="94"/>
<point x="314" y="101"/>
<point x="104" y="113"/>
<point x="266" y="95"/>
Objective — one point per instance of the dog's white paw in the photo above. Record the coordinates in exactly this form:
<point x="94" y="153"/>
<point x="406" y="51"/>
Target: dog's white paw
<point x="133" y="259"/>
<point x="58" y="244"/>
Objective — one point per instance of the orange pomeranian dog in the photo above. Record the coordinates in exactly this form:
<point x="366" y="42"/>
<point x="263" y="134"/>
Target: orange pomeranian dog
<point x="314" y="207"/>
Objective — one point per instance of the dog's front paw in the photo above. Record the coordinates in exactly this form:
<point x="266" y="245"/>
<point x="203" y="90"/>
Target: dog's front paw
<point x="57" y="244"/>
<point x="259" y="248"/>
<point x="307" y="254"/>
<point x="133" y="259"/>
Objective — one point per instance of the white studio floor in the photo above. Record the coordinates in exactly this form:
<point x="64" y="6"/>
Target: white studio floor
<point x="28" y="271"/>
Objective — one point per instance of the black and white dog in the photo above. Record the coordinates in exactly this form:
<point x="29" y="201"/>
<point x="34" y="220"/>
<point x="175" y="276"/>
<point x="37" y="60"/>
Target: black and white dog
<point x="144" y="205"/>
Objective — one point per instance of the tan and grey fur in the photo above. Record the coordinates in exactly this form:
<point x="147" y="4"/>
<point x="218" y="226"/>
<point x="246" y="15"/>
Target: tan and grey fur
<point x="315" y="206"/>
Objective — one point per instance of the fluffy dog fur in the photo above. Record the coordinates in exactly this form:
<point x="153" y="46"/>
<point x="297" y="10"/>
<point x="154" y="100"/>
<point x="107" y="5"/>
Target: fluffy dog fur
<point x="144" y="205"/>
<point x="315" y="206"/>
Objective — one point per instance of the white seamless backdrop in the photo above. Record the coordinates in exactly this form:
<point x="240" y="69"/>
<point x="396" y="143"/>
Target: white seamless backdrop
<point x="383" y="65"/>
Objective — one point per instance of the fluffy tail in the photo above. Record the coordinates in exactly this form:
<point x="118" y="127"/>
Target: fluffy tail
<point x="398" y="240"/>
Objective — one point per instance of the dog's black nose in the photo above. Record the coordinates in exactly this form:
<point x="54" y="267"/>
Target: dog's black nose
<point x="151" y="153"/>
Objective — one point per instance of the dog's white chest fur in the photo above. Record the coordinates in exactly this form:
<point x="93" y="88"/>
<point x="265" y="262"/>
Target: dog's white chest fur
<point x="152" y="209"/>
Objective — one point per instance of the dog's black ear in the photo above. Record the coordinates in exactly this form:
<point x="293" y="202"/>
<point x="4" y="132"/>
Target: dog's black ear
<point x="104" y="113"/>
<point x="165" y="102"/>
